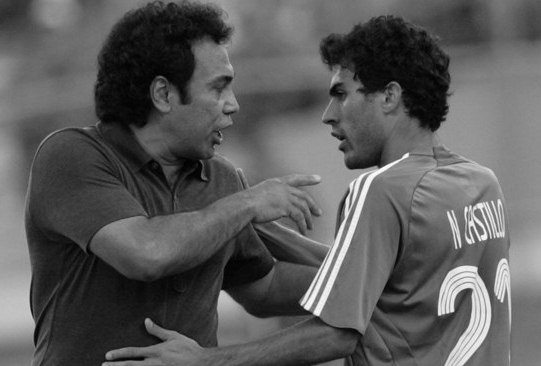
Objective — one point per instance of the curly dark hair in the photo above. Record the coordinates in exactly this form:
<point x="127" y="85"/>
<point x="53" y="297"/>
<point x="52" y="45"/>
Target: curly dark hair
<point x="387" y="48"/>
<point x="152" y="40"/>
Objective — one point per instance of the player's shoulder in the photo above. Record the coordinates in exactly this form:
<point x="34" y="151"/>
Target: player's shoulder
<point x="400" y="175"/>
<point x="453" y="165"/>
<point x="398" y="180"/>
<point x="412" y="169"/>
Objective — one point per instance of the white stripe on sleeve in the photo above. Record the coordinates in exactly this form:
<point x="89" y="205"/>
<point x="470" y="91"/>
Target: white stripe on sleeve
<point x="323" y="283"/>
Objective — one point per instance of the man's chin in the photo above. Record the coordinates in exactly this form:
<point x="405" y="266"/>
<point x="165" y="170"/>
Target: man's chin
<point x="350" y="163"/>
<point x="356" y="164"/>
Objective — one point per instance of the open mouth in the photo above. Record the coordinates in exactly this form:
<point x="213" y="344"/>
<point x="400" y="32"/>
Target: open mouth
<point x="218" y="138"/>
<point x="339" y="137"/>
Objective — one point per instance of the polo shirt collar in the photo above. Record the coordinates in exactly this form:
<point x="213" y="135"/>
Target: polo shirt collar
<point x="122" y="139"/>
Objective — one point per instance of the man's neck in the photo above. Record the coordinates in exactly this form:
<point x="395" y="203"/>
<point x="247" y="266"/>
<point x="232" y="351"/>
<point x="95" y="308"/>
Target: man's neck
<point x="153" y="143"/>
<point x="408" y="136"/>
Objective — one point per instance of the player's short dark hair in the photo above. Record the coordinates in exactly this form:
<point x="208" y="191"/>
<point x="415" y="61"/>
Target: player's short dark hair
<point x="386" y="49"/>
<point x="155" y="39"/>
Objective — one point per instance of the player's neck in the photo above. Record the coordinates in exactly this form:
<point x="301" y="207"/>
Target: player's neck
<point x="408" y="136"/>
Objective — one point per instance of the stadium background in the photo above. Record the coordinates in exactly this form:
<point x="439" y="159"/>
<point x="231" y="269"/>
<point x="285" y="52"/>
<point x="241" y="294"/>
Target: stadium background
<point x="48" y="50"/>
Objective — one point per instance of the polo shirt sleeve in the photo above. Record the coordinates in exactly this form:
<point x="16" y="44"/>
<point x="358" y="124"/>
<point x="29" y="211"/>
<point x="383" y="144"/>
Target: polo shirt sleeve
<point x="75" y="189"/>
<point x="250" y="262"/>
<point x="351" y="279"/>
<point x="251" y="259"/>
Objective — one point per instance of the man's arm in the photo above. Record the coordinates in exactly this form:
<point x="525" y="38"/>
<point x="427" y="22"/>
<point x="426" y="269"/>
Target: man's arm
<point x="277" y="293"/>
<point x="289" y="246"/>
<point x="309" y="342"/>
<point x="149" y="248"/>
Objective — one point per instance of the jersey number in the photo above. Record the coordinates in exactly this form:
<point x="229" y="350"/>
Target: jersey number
<point x="466" y="278"/>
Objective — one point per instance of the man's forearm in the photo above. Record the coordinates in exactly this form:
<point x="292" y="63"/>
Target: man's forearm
<point x="305" y="343"/>
<point x="185" y="240"/>
<point x="150" y="248"/>
<point x="147" y="249"/>
<point x="289" y="246"/>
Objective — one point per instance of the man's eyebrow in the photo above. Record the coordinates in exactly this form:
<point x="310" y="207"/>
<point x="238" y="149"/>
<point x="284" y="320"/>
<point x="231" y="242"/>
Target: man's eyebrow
<point x="220" y="81"/>
<point x="224" y="79"/>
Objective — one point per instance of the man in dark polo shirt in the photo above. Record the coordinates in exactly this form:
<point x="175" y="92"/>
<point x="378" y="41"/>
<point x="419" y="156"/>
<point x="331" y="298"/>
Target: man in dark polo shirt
<point x="136" y="216"/>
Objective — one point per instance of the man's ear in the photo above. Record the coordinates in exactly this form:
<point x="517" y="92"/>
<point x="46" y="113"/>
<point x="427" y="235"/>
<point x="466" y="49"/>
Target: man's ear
<point x="392" y="97"/>
<point x="160" y="90"/>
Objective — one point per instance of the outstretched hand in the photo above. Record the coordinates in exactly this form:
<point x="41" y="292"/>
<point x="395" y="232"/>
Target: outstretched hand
<point x="175" y="350"/>
<point x="283" y="197"/>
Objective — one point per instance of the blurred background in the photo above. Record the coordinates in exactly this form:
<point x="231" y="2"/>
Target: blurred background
<point x="48" y="52"/>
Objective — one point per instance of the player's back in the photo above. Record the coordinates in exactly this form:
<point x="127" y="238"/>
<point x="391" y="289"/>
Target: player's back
<point x="448" y="298"/>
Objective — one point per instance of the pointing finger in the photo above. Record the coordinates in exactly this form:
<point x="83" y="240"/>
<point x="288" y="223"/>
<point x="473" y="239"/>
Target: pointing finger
<point x="300" y="180"/>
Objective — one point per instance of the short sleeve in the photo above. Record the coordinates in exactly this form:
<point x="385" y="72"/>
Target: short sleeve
<point x="250" y="262"/>
<point x="75" y="189"/>
<point x="352" y="277"/>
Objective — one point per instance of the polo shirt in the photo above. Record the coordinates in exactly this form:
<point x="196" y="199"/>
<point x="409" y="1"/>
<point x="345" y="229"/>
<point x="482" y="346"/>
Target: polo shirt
<point x="420" y="265"/>
<point x="85" y="178"/>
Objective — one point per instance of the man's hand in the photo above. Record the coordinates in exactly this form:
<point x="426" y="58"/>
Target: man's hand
<point x="175" y="350"/>
<point x="282" y="197"/>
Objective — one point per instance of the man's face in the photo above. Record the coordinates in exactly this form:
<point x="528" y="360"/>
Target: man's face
<point x="354" y="120"/>
<point x="192" y="130"/>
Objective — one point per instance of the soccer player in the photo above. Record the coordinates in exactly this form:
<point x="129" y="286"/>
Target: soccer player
<point x="419" y="270"/>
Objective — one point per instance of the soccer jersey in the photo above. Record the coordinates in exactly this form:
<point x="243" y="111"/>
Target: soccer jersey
<point x="420" y="265"/>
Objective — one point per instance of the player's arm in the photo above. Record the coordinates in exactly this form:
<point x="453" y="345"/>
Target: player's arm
<point x="286" y="244"/>
<point x="146" y="249"/>
<point x="278" y="292"/>
<point x="306" y="343"/>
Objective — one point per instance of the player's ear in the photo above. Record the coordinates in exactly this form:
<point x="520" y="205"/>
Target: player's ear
<point x="391" y="96"/>
<point x="160" y="89"/>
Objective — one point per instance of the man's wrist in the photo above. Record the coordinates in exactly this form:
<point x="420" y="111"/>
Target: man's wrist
<point x="215" y="357"/>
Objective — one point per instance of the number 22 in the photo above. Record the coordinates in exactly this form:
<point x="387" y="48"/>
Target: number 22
<point x="466" y="278"/>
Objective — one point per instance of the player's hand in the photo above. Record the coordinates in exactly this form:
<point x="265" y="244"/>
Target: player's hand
<point x="283" y="197"/>
<point x="175" y="350"/>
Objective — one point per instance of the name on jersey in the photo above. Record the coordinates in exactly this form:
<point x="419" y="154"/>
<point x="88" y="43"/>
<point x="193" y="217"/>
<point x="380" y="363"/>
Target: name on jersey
<point x="482" y="221"/>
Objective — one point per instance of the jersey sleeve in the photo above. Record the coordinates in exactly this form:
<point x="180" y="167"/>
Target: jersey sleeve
<point x="75" y="189"/>
<point x="352" y="277"/>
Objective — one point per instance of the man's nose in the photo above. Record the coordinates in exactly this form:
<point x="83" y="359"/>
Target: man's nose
<point x="231" y="105"/>
<point x="330" y="116"/>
